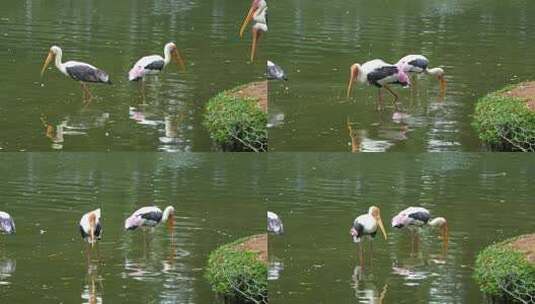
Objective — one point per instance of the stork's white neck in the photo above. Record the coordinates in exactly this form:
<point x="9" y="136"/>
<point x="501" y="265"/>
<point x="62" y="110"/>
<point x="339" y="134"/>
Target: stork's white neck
<point x="361" y="77"/>
<point x="59" y="54"/>
<point x="166" y="55"/>
<point x="260" y="14"/>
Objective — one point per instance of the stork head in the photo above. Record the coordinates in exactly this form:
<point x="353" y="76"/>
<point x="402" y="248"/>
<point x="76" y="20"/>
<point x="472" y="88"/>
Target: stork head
<point x="442" y="224"/>
<point x="52" y="53"/>
<point x="354" y="72"/>
<point x="375" y="212"/>
<point x="174" y="52"/>
<point x="439" y="73"/>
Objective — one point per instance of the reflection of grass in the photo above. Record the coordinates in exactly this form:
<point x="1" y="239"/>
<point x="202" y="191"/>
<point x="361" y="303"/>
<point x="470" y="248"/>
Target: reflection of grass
<point x="505" y="122"/>
<point x="505" y="274"/>
<point x="237" y="274"/>
<point x="236" y="124"/>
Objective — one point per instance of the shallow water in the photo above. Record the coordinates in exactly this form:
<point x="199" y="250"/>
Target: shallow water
<point x="483" y="45"/>
<point x="46" y="261"/>
<point x="113" y="35"/>
<point x="485" y="197"/>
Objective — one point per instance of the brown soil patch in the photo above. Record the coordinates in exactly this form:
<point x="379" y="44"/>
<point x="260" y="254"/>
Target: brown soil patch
<point x="257" y="244"/>
<point x="526" y="245"/>
<point x="257" y="90"/>
<point x="525" y="91"/>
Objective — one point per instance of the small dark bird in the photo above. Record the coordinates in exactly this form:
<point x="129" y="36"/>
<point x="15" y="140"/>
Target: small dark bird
<point x="274" y="223"/>
<point x="275" y="72"/>
<point x="7" y="224"/>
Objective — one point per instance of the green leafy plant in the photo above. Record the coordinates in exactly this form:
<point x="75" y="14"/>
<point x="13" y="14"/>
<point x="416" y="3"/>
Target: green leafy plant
<point x="237" y="274"/>
<point x="503" y="273"/>
<point x="505" y="123"/>
<point x="236" y="124"/>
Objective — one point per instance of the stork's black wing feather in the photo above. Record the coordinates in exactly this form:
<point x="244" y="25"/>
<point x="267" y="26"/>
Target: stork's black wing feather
<point x="98" y="231"/>
<point x="420" y="216"/>
<point x="380" y="73"/>
<point x="82" y="232"/>
<point x="152" y="216"/>
<point x="87" y="74"/>
<point x="155" y="65"/>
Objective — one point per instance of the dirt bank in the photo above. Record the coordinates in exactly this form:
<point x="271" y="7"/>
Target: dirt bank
<point x="526" y="245"/>
<point x="256" y="90"/>
<point x="257" y="244"/>
<point x="524" y="91"/>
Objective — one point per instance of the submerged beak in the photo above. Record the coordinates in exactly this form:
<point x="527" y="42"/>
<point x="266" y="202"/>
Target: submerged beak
<point x="442" y="85"/>
<point x="47" y="62"/>
<point x="352" y="76"/>
<point x="256" y="36"/>
<point x="92" y="233"/>
<point x="381" y="226"/>
<point x="175" y="54"/>
<point x="444" y="235"/>
<point x="170" y="223"/>
<point x="247" y="19"/>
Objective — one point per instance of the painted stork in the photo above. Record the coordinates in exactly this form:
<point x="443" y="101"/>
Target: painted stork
<point x="149" y="217"/>
<point x="90" y="226"/>
<point x="274" y="223"/>
<point x="154" y="64"/>
<point x="257" y="13"/>
<point x="380" y="74"/>
<point x="418" y="64"/>
<point x="419" y="217"/>
<point x="366" y="224"/>
<point x="275" y="72"/>
<point x="7" y="224"/>
<point x="80" y="71"/>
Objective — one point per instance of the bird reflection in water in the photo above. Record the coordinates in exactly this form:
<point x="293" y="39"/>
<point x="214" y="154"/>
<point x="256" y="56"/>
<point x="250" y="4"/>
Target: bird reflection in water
<point x="54" y="133"/>
<point x="73" y="125"/>
<point x="275" y="268"/>
<point x="92" y="290"/>
<point x="173" y="140"/>
<point x="7" y="268"/>
<point x="355" y="135"/>
<point x="361" y="142"/>
<point x="365" y="289"/>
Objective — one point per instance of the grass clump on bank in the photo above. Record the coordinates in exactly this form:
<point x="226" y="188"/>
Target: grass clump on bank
<point x="236" y="123"/>
<point x="237" y="273"/>
<point x="505" y="122"/>
<point x="505" y="275"/>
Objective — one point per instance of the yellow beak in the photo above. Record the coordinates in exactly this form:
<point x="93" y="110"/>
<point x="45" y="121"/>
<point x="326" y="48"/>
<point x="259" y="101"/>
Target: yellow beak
<point x="445" y="236"/>
<point x="247" y="19"/>
<point x="443" y="84"/>
<point x="178" y="59"/>
<point x="381" y="226"/>
<point x="171" y="223"/>
<point x="47" y="62"/>
<point x="353" y="75"/>
<point x="92" y="233"/>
